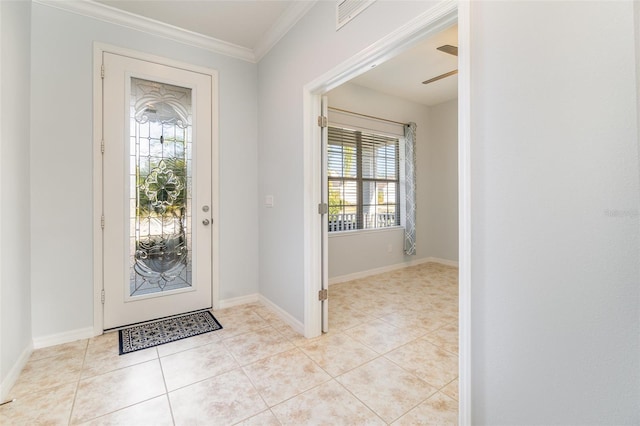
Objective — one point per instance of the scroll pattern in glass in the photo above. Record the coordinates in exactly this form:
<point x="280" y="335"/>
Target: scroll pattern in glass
<point x="160" y="187"/>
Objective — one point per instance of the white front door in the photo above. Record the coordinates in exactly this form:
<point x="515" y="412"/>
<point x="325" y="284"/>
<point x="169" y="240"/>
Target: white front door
<point x="157" y="190"/>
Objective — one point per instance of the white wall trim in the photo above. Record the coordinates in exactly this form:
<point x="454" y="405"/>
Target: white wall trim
<point x="389" y="268"/>
<point x="14" y="373"/>
<point x="446" y="262"/>
<point x="65" y="337"/>
<point x="464" y="212"/>
<point x="428" y="23"/>
<point x="258" y="298"/>
<point x="237" y="301"/>
<point x="283" y="315"/>
<point x="123" y="18"/>
<point x="285" y="22"/>
<point x="112" y="15"/>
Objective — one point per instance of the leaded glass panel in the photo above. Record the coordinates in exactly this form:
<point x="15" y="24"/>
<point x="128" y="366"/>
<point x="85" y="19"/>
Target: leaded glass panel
<point x="160" y="184"/>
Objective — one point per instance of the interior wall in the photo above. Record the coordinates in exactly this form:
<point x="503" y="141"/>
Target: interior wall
<point x="311" y="48"/>
<point x="554" y="270"/>
<point x="442" y="181"/>
<point x="62" y="173"/>
<point x="555" y="300"/>
<point x="436" y="174"/>
<point x="15" y="306"/>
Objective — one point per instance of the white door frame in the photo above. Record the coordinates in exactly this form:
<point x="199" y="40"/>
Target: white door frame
<point x="431" y="22"/>
<point x="98" y="282"/>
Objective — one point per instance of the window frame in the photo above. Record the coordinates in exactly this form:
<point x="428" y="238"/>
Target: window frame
<point x="360" y="181"/>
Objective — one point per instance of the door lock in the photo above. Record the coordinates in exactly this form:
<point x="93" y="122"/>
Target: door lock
<point x="206" y="222"/>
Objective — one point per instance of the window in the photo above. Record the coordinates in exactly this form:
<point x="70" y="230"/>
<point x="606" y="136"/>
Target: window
<point x="363" y="175"/>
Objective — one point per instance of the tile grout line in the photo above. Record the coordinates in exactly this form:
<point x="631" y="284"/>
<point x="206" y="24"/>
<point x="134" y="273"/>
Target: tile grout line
<point x="301" y="392"/>
<point x="358" y="399"/>
<point x="166" y="388"/>
<point x="127" y="406"/>
<point x="253" y="311"/>
<point x="75" y="393"/>
<point x="437" y="391"/>
<point x="440" y="390"/>
<point x="259" y="394"/>
<point x="416" y="376"/>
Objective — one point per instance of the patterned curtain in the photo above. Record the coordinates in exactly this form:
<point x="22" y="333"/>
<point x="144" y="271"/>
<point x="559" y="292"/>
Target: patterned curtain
<point x="410" y="188"/>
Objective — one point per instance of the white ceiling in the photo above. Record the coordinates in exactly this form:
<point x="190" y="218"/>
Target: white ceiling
<point x="402" y="75"/>
<point x="256" y="25"/>
<point x="241" y="22"/>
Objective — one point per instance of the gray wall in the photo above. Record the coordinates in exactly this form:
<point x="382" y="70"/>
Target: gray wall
<point x="442" y="181"/>
<point x="62" y="173"/>
<point x="311" y="48"/>
<point x="555" y="300"/>
<point x="436" y="185"/>
<point x="554" y="181"/>
<point x="15" y="305"/>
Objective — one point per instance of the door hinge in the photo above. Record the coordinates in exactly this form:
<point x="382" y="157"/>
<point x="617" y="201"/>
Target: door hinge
<point x="102" y="221"/>
<point x="102" y="296"/>
<point x="323" y="121"/>
<point x="323" y="294"/>
<point x="323" y="208"/>
<point x="102" y="146"/>
<point x="102" y="71"/>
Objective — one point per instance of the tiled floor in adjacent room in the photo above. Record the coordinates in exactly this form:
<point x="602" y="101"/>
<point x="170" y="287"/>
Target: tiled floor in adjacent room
<point x="390" y="358"/>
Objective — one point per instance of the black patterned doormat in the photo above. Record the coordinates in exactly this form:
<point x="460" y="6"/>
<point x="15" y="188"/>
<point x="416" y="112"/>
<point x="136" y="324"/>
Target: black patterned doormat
<point x="143" y="336"/>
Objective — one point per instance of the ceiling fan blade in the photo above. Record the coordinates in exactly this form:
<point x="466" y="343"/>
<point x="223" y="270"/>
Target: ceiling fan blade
<point x="440" y="77"/>
<point x="447" y="48"/>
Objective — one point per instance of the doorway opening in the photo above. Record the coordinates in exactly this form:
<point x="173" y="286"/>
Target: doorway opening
<point x="316" y="272"/>
<point x="379" y="180"/>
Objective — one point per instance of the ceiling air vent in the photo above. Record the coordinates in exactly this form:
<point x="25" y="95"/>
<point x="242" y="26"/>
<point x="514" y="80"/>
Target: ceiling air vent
<point x="346" y="10"/>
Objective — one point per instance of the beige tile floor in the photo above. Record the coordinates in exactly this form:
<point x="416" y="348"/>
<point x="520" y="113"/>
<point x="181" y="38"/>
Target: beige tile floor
<point x="390" y="358"/>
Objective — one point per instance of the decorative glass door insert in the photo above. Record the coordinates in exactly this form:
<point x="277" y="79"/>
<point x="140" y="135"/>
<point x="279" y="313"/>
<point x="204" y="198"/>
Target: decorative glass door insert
<point x="160" y="185"/>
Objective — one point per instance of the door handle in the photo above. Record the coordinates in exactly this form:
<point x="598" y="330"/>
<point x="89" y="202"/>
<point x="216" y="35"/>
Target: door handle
<point x="206" y="222"/>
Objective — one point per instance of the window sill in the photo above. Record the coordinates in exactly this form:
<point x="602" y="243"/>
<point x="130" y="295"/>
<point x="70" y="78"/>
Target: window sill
<point x="337" y="234"/>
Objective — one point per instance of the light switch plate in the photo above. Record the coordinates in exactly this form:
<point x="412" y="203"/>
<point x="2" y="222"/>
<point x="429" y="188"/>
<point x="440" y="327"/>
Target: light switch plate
<point x="268" y="201"/>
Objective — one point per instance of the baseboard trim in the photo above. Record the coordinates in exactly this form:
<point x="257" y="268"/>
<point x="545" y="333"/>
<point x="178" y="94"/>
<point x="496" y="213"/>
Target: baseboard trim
<point x="256" y="297"/>
<point x="389" y="268"/>
<point x="283" y="315"/>
<point x="60" y="338"/>
<point x="14" y="373"/>
<point x="236" y="301"/>
<point x="445" y="262"/>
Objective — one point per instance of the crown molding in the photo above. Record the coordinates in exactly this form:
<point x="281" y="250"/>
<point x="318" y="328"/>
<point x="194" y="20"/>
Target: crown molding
<point x="150" y="26"/>
<point x="289" y="18"/>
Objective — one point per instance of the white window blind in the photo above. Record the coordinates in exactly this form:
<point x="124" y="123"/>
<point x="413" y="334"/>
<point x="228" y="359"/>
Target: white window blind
<point x="363" y="179"/>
